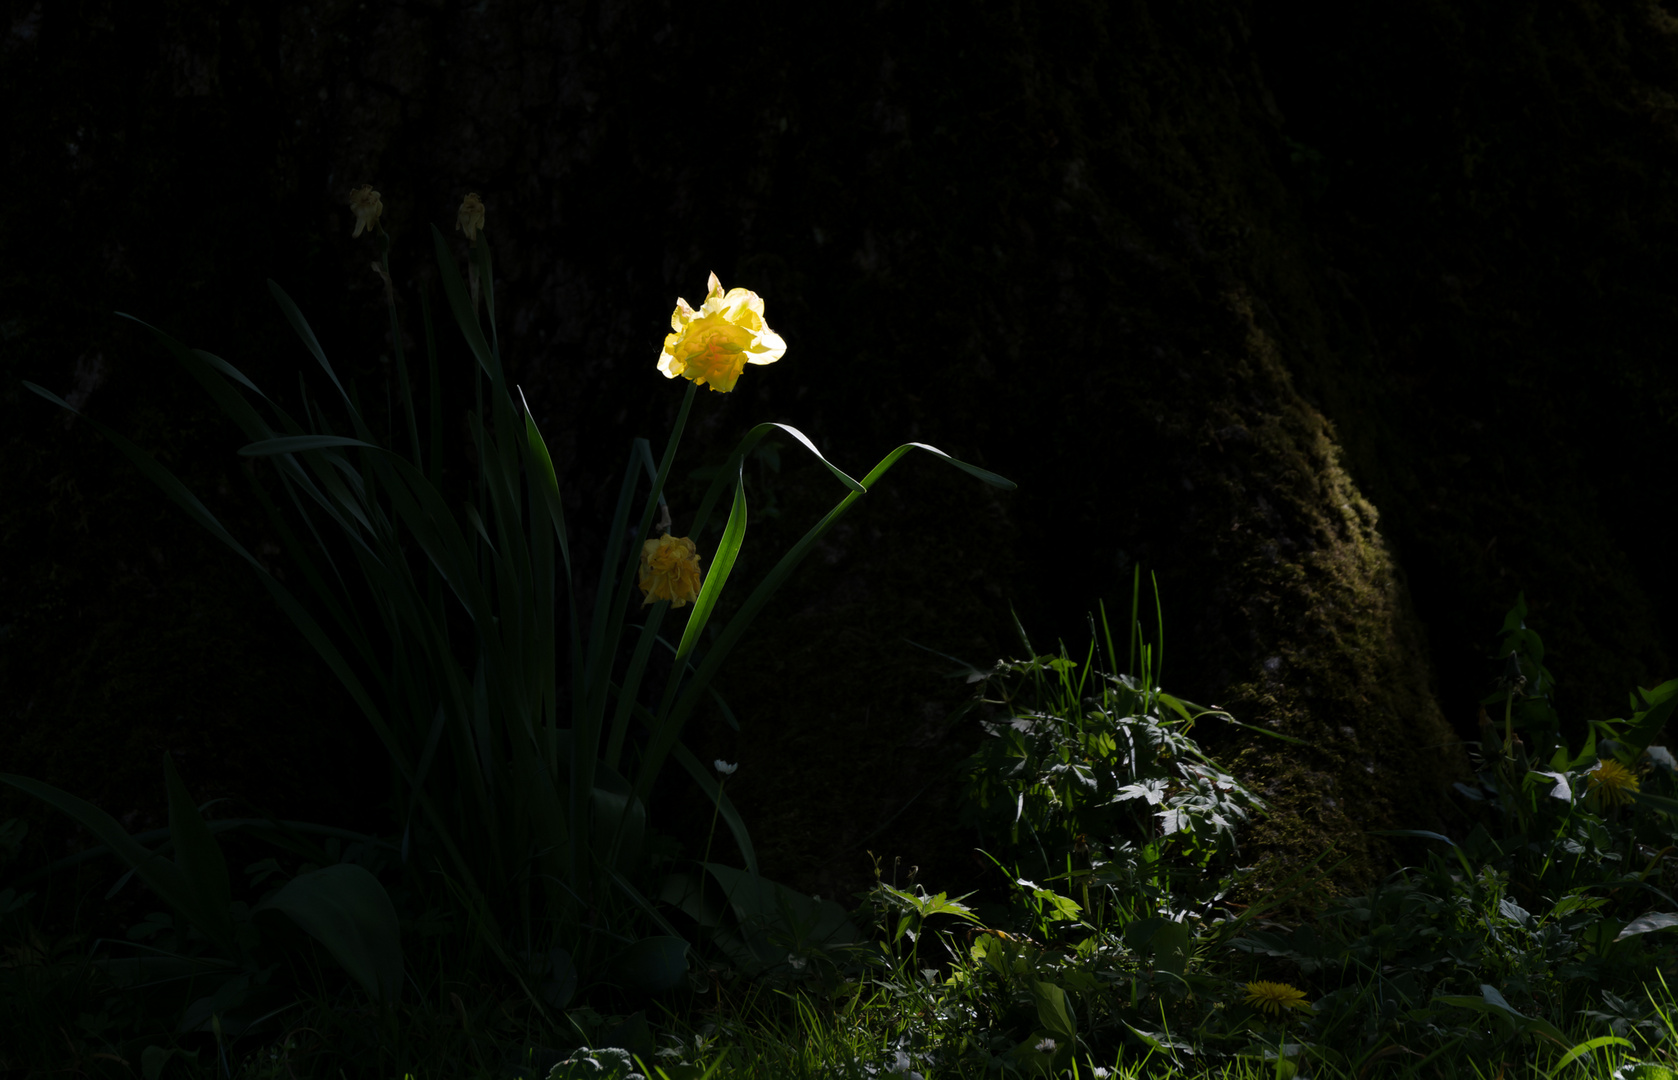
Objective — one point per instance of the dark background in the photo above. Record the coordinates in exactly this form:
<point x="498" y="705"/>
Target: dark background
<point x="1349" y="329"/>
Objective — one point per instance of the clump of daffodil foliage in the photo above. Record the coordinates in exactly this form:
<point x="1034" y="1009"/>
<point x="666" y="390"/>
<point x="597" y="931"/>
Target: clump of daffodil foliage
<point x="526" y="735"/>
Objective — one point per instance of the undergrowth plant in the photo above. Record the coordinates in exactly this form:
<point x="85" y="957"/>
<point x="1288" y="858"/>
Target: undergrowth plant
<point x="1537" y="936"/>
<point x="1555" y="906"/>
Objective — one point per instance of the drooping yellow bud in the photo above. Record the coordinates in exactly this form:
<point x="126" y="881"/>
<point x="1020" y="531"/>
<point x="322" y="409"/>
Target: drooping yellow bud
<point x="471" y="217"/>
<point x="364" y="202"/>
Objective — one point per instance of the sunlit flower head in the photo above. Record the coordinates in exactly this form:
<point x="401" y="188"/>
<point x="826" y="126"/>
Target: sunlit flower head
<point x="1610" y="784"/>
<point x="1046" y="1046"/>
<point x="715" y="343"/>
<point x="1273" y="997"/>
<point x="365" y="204"/>
<point x="470" y="219"/>
<point x="670" y="570"/>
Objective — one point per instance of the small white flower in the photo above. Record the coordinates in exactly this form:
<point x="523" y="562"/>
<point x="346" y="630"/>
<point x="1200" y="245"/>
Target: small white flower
<point x="797" y="962"/>
<point x="1024" y="884"/>
<point x="724" y="767"/>
<point x="1100" y="1072"/>
<point x="1660" y="755"/>
<point x="1047" y="1046"/>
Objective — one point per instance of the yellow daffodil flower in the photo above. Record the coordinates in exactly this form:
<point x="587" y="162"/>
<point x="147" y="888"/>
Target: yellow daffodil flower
<point x="470" y="219"/>
<point x="1610" y="784"/>
<point x="364" y="201"/>
<point x="715" y="343"/>
<point x="669" y="570"/>
<point x="1273" y="997"/>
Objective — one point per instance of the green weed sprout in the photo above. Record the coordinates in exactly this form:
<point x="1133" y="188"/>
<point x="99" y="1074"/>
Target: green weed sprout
<point x="449" y="623"/>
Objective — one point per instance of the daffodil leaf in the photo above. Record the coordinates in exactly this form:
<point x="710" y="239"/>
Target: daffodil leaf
<point x="296" y="444"/>
<point x="732" y="467"/>
<point x="461" y="304"/>
<point x="675" y="715"/>
<point x="306" y="333"/>
<point x="722" y="565"/>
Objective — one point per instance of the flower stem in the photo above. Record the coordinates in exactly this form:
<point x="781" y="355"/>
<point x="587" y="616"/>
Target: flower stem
<point x="716" y="809"/>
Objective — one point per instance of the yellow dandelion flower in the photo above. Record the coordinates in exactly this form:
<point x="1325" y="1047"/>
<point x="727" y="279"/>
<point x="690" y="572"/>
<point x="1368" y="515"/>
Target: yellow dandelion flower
<point x="715" y="343"/>
<point x="1610" y="784"/>
<point x="364" y="201"/>
<point x="1273" y="997"/>
<point x="670" y="570"/>
<point x="470" y="219"/>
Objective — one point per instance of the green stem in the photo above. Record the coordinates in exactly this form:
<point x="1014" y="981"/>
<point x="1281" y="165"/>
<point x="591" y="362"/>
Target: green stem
<point x="716" y="809"/>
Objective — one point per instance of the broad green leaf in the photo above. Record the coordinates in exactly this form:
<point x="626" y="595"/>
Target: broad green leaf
<point x="200" y="859"/>
<point x="620" y="820"/>
<point x="1644" y="924"/>
<point x="1559" y="789"/>
<point x="153" y="1058"/>
<point x="1492" y="1003"/>
<point x="346" y="909"/>
<point x="1172" y="944"/>
<point x="652" y="965"/>
<point x="1052" y="1010"/>
<point x="762" y="903"/>
<point x="1655" y="802"/>
<point x="1646" y="725"/>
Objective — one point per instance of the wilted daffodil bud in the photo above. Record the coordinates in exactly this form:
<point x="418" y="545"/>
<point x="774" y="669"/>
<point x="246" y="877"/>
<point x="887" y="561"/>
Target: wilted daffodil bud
<point x="364" y="201"/>
<point x="714" y="344"/>
<point x="670" y="570"/>
<point x="471" y="217"/>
